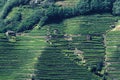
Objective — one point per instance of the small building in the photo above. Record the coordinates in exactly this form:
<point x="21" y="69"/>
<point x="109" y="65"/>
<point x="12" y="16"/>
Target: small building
<point x="11" y="36"/>
<point x="10" y="33"/>
<point x="112" y="26"/>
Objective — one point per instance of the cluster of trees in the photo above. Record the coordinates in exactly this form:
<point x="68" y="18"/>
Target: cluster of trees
<point x="82" y="8"/>
<point x="10" y="4"/>
<point x="2" y="2"/>
<point x="97" y="6"/>
<point x="116" y="7"/>
<point x="10" y="23"/>
<point x="28" y="23"/>
<point x="91" y="6"/>
<point x="54" y="13"/>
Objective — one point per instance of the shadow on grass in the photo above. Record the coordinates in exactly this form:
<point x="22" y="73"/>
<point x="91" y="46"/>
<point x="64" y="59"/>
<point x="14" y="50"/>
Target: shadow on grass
<point x="8" y="58"/>
<point x="54" y="65"/>
<point x="113" y="65"/>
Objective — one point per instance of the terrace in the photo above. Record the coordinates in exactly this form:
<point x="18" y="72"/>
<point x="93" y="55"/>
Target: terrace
<point x="30" y="57"/>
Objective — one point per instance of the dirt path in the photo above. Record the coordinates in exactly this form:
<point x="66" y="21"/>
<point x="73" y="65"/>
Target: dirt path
<point x="27" y="35"/>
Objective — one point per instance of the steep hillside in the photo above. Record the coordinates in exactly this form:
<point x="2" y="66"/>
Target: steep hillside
<point x="59" y="40"/>
<point x="31" y="57"/>
<point x="113" y="56"/>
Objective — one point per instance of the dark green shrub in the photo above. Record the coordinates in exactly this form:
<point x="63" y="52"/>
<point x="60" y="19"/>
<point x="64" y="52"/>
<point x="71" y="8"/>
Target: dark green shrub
<point x="116" y="7"/>
<point x="83" y="7"/>
<point x="28" y="23"/>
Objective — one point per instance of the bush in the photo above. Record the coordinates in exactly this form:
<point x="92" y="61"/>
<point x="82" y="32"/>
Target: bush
<point x="55" y="14"/>
<point x="28" y="23"/>
<point x="116" y="7"/>
<point x="2" y="25"/>
<point x="84" y="7"/>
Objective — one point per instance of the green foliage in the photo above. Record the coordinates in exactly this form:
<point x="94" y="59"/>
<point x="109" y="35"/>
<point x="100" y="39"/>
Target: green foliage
<point x="95" y="6"/>
<point x="83" y="6"/>
<point x="2" y="3"/>
<point x="116" y="7"/>
<point x="11" y="23"/>
<point x="2" y="24"/>
<point x="52" y="13"/>
<point x="29" y="23"/>
<point x="101" y="5"/>
<point x="10" y="4"/>
<point x="42" y="21"/>
<point x="16" y="17"/>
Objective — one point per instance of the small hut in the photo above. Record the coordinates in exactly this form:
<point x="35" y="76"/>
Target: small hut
<point x="112" y="26"/>
<point x="11" y="36"/>
<point x="10" y="33"/>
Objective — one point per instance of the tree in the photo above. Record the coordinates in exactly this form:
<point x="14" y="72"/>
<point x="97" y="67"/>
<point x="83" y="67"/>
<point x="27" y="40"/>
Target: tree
<point x="29" y="23"/>
<point x="10" y="4"/>
<point x="116" y="7"/>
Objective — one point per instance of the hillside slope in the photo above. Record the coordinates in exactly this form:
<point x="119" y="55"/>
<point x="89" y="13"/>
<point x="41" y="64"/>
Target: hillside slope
<point x="23" y="15"/>
<point x="31" y="57"/>
<point x="59" y="40"/>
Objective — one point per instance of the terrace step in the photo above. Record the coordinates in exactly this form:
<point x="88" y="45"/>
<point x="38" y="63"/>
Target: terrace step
<point x="112" y="56"/>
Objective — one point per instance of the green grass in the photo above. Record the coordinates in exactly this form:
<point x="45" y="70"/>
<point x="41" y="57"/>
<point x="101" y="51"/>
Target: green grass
<point x="32" y="55"/>
<point x="20" y="57"/>
<point x="53" y="63"/>
<point x="113" y="54"/>
<point x="94" y="50"/>
<point x="89" y="24"/>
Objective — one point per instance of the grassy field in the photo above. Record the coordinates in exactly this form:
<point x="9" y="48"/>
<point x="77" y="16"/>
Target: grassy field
<point x="94" y="50"/>
<point x="113" y="56"/>
<point x="32" y="57"/>
<point x="18" y="59"/>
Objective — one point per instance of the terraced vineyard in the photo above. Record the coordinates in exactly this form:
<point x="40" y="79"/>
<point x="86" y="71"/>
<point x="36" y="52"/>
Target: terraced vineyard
<point x="113" y="56"/>
<point x="32" y="58"/>
<point x="55" y="65"/>
<point x="17" y="59"/>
